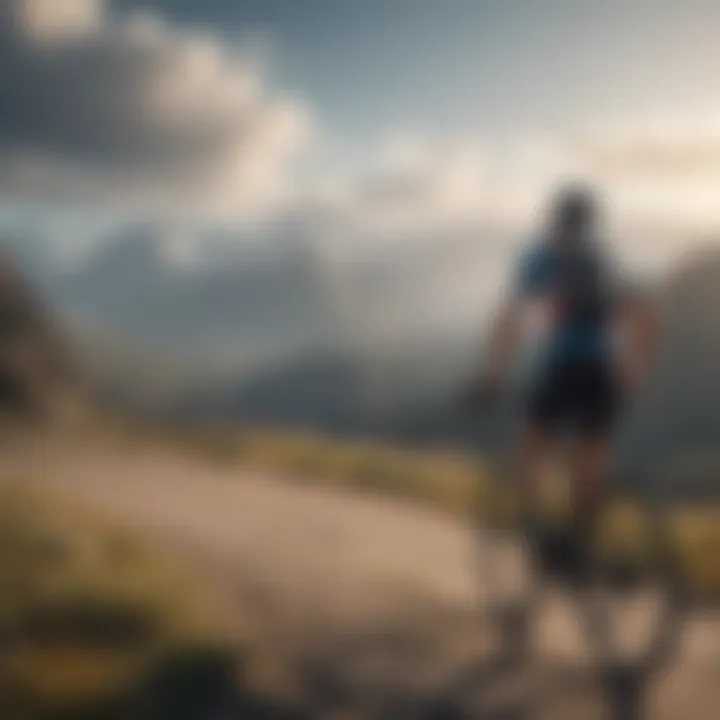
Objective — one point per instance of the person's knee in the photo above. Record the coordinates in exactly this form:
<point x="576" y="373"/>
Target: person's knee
<point x="591" y="459"/>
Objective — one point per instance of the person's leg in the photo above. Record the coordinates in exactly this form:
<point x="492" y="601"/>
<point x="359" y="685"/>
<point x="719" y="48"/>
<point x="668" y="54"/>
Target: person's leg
<point x="538" y="437"/>
<point x="591" y="451"/>
<point x="553" y="550"/>
<point x="589" y="464"/>
<point x="533" y="451"/>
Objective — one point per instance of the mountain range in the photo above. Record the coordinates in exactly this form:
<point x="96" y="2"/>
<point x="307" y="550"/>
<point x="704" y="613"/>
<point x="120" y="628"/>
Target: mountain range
<point x="283" y="332"/>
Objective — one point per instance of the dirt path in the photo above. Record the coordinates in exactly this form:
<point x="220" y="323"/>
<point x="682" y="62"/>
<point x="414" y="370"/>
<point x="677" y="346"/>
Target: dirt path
<point x="358" y="608"/>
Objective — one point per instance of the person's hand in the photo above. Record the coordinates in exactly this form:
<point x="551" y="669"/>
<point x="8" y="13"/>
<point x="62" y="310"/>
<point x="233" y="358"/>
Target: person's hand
<point x="484" y="393"/>
<point x="629" y="379"/>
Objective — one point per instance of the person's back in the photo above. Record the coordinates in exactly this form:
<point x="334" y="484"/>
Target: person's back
<point x="576" y="286"/>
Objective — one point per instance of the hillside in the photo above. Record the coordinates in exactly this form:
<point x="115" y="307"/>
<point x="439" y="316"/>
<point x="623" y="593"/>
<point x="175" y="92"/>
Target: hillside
<point x="35" y="370"/>
<point x="351" y="606"/>
<point x="677" y="421"/>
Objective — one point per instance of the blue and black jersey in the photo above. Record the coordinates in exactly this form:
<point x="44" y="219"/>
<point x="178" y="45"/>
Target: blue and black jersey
<point x="580" y="287"/>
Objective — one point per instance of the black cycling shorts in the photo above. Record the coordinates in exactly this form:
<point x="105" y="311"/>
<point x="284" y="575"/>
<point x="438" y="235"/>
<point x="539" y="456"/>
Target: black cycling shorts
<point x="576" y="395"/>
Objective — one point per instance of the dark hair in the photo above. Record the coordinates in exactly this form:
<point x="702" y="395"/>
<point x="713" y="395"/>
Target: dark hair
<point x="575" y="206"/>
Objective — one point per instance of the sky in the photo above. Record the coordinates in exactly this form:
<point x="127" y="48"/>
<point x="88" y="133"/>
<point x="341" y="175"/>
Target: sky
<point x="480" y="65"/>
<point x="376" y="129"/>
<point x="237" y="103"/>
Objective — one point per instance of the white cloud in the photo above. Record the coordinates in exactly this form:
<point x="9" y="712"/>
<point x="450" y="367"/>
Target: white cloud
<point x="656" y="175"/>
<point x="93" y="106"/>
<point x="41" y="20"/>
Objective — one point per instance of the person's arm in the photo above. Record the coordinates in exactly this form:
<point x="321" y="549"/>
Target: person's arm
<point x="502" y="343"/>
<point x="640" y="326"/>
<point x="498" y="355"/>
<point x="505" y="327"/>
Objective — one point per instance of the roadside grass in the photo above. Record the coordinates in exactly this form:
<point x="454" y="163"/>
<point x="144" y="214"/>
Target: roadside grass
<point x="96" y="624"/>
<point x="453" y="482"/>
<point x="443" y="480"/>
<point x="697" y="533"/>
